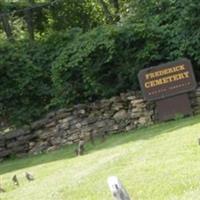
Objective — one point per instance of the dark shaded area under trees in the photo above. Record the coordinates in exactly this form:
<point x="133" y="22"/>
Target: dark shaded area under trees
<point x="59" y="53"/>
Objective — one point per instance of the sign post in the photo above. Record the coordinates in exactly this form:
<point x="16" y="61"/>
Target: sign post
<point x="168" y="85"/>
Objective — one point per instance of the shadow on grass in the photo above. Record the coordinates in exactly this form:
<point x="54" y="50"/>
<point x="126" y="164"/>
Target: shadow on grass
<point x="111" y="141"/>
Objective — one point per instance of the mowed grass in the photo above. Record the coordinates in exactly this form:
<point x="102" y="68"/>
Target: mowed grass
<point x="161" y="162"/>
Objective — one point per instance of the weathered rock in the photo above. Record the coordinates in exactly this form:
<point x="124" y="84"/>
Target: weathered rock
<point x="142" y="120"/>
<point x="62" y="116"/>
<point x="26" y="138"/>
<point x="135" y="115"/>
<point x="5" y="153"/>
<point x="47" y="134"/>
<point x="14" y="134"/>
<point x="67" y="119"/>
<point x="69" y="142"/>
<point x="73" y="138"/>
<point x="121" y="115"/>
<point x="115" y="99"/>
<point x="82" y="112"/>
<point x="100" y="124"/>
<point x="52" y="148"/>
<point x="38" y="124"/>
<point x="137" y="110"/>
<point x="31" y="145"/>
<point x="39" y="148"/>
<point x="115" y="127"/>
<point x="38" y="132"/>
<point x="20" y="149"/>
<point x="91" y="120"/>
<point x="78" y="125"/>
<point x="130" y="98"/>
<point x="64" y="110"/>
<point x="130" y="127"/>
<point x="137" y="102"/>
<point x="110" y="122"/>
<point x="51" y="115"/>
<point x="86" y="129"/>
<point x="105" y="104"/>
<point x="51" y="124"/>
<point x="117" y="106"/>
<point x="85" y="135"/>
<point x="63" y="126"/>
<point x="56" y="141"/>
<point x="15" y="144"/>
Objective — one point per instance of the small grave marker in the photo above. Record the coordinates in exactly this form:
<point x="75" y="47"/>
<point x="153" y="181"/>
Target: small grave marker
<point x="117" y="189"/>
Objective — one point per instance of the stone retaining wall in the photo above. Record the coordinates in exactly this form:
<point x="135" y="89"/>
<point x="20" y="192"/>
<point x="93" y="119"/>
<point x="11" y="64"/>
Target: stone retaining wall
<point x="67" y="126"/>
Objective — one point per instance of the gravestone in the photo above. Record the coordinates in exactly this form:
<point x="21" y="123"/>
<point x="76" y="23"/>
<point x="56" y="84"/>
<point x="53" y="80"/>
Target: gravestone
<point x="117" y="189"/>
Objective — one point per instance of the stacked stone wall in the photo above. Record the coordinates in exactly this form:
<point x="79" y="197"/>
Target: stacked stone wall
<point x="84" y="121"/>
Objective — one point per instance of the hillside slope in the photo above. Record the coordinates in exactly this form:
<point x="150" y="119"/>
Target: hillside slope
<point x="157" y="163"/>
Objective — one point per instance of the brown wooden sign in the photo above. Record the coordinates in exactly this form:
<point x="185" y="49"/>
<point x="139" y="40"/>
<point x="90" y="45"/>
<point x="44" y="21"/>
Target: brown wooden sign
<point x="167" y="80"/>
<point x="172" y="107"/>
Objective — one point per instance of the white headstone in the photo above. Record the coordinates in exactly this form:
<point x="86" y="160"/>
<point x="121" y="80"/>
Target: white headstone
<point x="117" y="189"/>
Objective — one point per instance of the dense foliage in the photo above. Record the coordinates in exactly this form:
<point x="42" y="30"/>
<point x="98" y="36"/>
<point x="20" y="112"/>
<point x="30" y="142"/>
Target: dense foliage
<point x="75" y="65"/>
<point x="25" y="71"/>
<point x="102" y="63"/>
<point x="39" y="17"/>
<point x="177" y="22"/>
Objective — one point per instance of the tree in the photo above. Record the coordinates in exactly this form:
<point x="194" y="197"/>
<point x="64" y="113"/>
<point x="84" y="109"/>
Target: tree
<point x="111" y="9"/>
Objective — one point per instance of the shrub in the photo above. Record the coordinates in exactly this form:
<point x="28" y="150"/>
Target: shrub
<point x="102" y="63"/>
<point x="25" y="71"/>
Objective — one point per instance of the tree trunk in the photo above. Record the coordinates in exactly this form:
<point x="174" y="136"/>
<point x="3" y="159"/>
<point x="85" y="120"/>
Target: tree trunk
<point x="106" y="11"/>
<point x="116" y="6"/>
<point x="31" y="1"/>
<point x="6" y="26"/>
<point x="29" y="21"/>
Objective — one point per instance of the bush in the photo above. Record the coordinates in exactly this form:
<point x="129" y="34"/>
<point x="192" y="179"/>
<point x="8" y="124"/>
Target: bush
<point x="25" y="71"/>
<point x="19" y="84"/>
<point x="102" y="63"/>
<point x="177" y="23"/>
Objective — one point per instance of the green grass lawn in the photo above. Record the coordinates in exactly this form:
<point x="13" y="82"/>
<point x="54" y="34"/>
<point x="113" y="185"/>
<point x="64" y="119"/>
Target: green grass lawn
<point x="161" y="162"/>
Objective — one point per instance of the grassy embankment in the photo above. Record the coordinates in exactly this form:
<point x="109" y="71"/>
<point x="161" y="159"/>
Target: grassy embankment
<point x="161" y="162"/>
